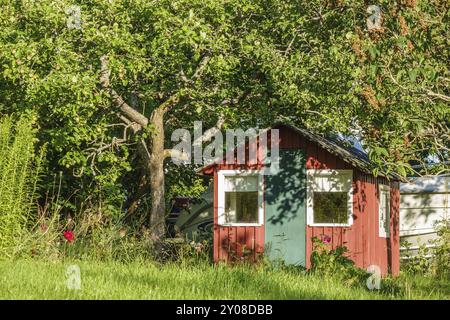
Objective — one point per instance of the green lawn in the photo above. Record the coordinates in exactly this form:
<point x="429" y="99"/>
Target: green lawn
<point x="36" y="279"/>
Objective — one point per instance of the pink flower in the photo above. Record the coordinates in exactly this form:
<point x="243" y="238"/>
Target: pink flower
<point x="326" y="239"/>
<point x="69" y="236"/>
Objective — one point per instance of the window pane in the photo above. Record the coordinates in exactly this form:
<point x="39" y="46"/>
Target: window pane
<point x="246" y="183"/>
<point x="330" y="207"/>
<point x="329" y="182"/>
<point x="384" y="214"/>
<point x="241" y="207"/>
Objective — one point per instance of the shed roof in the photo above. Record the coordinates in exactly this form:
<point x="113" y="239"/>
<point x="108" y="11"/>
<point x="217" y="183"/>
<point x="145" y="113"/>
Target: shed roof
<point x="338" y="147"/>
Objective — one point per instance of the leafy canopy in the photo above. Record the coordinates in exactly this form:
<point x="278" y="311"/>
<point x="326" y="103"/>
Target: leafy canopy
<point x="313" y="63"/>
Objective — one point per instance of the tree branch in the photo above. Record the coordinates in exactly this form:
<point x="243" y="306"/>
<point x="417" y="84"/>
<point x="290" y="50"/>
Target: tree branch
<point x="438" y="95"/>
<point x="201" y="67"/>
<point x="198" y="71"/>
<point x="209" y="134"/>
<point x="135" y="127"/>
<point x="168" y="103"/>
<point x="145" y="151"/>
<point x="129" y="111"/>
<point x="115" y="143"/>
<point x="428" y="92"/>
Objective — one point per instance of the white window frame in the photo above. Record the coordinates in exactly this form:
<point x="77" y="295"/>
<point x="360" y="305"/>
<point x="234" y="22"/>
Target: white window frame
<point x="311" y="174"/>
<point x="384" y="190"/>
<point x="221" y="175"/>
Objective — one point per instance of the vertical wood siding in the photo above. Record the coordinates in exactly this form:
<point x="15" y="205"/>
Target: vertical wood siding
<point x="362" y="240"/>
<point x="233" y="243"/>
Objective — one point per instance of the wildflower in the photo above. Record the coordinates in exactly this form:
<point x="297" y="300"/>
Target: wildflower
<point x="69" y="236"/>
<point x="326" y="239"/>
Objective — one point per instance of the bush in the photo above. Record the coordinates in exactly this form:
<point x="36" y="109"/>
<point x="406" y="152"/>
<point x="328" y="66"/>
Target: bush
<point x="416" y="262"/>
<point x="431" y="260"/>
<point x="441" y="250"/>
<point x="88" y="236"/>
<point x="19" y="180"/>
<point x="330" y="262"/>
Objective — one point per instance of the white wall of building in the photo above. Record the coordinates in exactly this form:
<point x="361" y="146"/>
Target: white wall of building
<point x="423" y="201"/>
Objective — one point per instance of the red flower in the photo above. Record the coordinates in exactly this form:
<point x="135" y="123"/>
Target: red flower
<point x="69" y="236"/>
<point x="326" y="239"/>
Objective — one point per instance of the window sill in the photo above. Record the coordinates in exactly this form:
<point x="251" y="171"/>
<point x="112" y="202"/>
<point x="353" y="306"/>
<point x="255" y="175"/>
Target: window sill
<point x="240" y="224"/>
<point x="342" y="225"/>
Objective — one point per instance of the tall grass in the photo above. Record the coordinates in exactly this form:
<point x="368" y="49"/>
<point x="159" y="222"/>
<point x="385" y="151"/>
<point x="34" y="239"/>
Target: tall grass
<point x="38" y="279"/>
<point x="19" y="175"/>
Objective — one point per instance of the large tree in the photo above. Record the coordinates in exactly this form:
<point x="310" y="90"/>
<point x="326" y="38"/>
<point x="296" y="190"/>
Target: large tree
<point x="111" y="83"/>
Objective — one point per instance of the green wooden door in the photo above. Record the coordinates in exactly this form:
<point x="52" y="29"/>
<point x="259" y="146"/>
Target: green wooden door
<point x="285" y="209"/>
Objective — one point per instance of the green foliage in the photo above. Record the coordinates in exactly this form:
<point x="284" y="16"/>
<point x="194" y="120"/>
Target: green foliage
<point x="95" y="238"/>
<point x="315" y="64"/>
<point x="19" y="179"/>
<point x="416" y="262"/>
<point x="184" y="182"/>
<point x="330" y="262"/>
<point x="402" y="78"/>
<point x="442" y="249"/>
<point x="433" y="259"/>
<point x="184" y="252"/>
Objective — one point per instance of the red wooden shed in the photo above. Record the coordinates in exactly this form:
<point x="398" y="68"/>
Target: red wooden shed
<point x="323" y="188"/>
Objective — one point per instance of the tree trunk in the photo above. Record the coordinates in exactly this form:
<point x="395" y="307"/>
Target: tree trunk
<point x="156" y="174"/>
<point x="154" y="153"/>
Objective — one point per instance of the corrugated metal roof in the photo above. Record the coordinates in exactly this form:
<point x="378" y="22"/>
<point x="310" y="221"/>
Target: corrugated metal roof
<point x="342" y="149"/>
<point x="426" y="184"/>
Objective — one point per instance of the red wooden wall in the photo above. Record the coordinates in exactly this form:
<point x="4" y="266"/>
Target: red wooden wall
<point x="235" y="243"/>
<point x="365" y="246"/>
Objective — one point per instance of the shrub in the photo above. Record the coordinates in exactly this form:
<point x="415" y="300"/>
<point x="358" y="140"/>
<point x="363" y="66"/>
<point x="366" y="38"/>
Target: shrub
<point x="441" y="250"/>
<point x="330" y="262"/>
<point x="416" y="262"/>
<point x="431" y="260"/>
